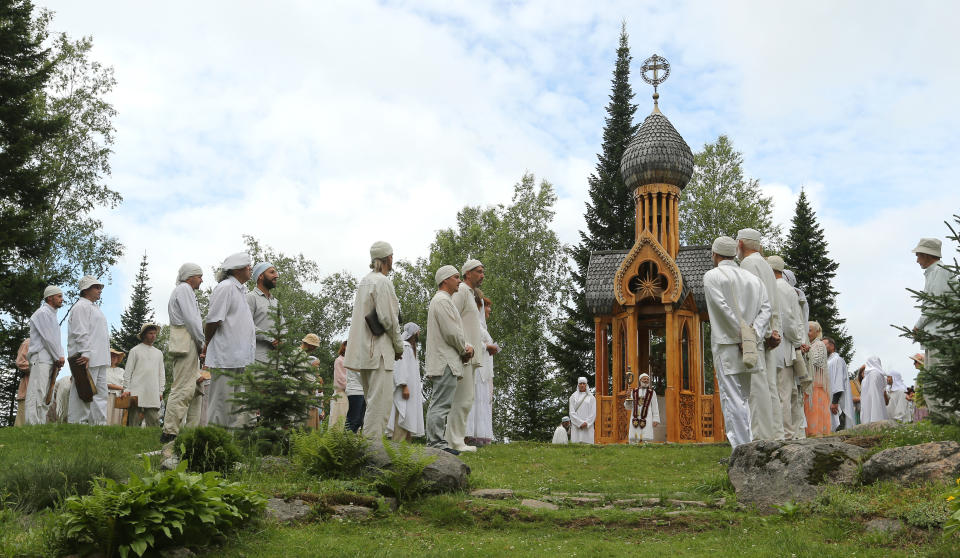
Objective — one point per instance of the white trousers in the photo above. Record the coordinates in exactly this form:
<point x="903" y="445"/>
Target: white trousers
<point x="220" y="407"/>
<point x="34" y="408"/>
<point x="94" y="412"/>
<point x="378" y="391"/>
<point x="462" y="403"/>
<point x="791" y="405"/>
<point x="183" y="392"/>
<point x="766" y="414"/>
<point x="735" y="392"/>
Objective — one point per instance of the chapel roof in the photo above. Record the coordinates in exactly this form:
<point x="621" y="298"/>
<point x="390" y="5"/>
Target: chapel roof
<point x="657" y="154"/>
<point x="693" y="261"/>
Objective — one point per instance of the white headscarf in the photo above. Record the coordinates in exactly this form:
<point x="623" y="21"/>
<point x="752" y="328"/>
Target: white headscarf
<point x="239" y="260"/>
<point x="409" y="330"/>
<point x="873" y="363"/>
<point x="790" y="277"/>
<point x="187" y="271"/>
<point x="898" y="384"/>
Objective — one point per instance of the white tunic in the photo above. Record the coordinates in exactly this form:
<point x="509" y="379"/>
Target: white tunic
<point x="839" y="381"/>
<point x="45" y="336"/>
<point x="637" y="434"/>
<point x="719" y="285"/>
<point x="872" y="406"/>
<point x="936" y="282"/>
<point x="88" y="334"/>
<point x="406" y="372"/>
<point x="583" y="409"/>
<point x="233" y="344"/>
<point x="263" y="310"/>
<point x="560" y="435"/>
<point x="144" y="376"/>
<point x="480" y="419"/>
<point x="445" y="338"/>
<point x="115" y="375"/>
<point x="354" y="387"/>
<point x="364" y="350"/>
<point x="791" y="320"/>
<point x="466" y="304"/>
<point x="183" y="311"/>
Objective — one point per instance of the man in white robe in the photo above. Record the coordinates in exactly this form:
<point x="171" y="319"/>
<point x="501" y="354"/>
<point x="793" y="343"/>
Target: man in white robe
<point x="734" y="294"/>
<point x="45" y="354"/>
<point x="447" y="351"/>
<point x="642" y="420"/>
<point x="88" y="339"/>
<point x="794" y="331"/>
<point x="145" y="378"/>
<point x="766" y="412"/>
<point x="583" y="413"/>
<point x="464" y="300"/>
<point x="263" y="307"/>
<point x="186" y="342"/>
<point x="560" y="435"/>
<point x="480" y="419"/>
<point x="897" y="406"/>
<point x="371" y="355"/>
<point x="842" y="412"/>
<point x="936" y="282"/>
<point x="406" y="419"/>
<point x="230" y="339"/>
<point x="873" y="406"/>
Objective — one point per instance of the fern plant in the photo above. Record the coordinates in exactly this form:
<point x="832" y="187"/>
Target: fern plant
<point x="329" y="451"/>
<point x="404" y="477"/>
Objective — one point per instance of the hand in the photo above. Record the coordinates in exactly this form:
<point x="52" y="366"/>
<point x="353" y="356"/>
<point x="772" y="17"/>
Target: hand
<point x="125" y="394"/>
<point x="406" y="392"/>
<point x="656" y="424"/>
<point x="60" y="362"/>
<point x="835" y="408"/>
<point x="773" y="341"/>
<point x="804" y="348"/>
<point x="82" y="360"/>
<point x="275" y="343"/>
<point x="583" y="426"/>
<point x="493" y="349"/>
<point x="397" y="356"/>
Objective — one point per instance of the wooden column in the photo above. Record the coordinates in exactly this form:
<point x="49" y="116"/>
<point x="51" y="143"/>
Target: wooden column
<point x="632" y="348"/>
<point x="673" y="377"/>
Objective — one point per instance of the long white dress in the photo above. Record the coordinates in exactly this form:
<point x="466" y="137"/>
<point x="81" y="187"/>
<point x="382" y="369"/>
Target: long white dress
<point x="406" y="371"/>
<point x="583" y="409"/>
<point x="480" y="418"/>
<point x="872" y="406"/>
<point x="897" y="408"/>
<point x="637" y="434"/>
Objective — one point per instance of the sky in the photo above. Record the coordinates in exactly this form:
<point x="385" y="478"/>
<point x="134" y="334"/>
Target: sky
<point x="320" y="127"/>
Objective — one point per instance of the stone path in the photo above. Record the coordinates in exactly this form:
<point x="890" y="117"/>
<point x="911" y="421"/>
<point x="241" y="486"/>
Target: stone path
<point x="633" y="503"/>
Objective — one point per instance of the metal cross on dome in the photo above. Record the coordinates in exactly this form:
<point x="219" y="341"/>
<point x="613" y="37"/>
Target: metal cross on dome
<point x="655" y="65"/>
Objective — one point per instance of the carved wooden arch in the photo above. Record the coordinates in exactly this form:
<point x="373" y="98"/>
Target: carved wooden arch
<point x="645" y="249"/>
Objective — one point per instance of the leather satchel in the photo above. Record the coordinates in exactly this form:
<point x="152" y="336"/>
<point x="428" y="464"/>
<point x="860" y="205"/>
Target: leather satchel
<point x="748" y="336"/>
<point x="373" y="322"/>
<point x="82" y="380"/>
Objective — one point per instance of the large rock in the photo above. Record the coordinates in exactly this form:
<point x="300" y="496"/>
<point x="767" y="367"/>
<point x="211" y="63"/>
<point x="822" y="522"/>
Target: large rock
<point x="446" y="474"/>
<point x="768" y="473"/>
<point x="925" y="462"/>
<point x="288" y="511"/>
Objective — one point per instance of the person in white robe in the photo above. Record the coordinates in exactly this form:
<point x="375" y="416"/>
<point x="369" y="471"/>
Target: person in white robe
<point x="464" y="300"/>
<point x="897" y="406"/>
<point x="339" y="404"/>
<point x="873" y="381"/>
<point x="230" y="340"/>
<point x="583" y="414"/>
<point x="406" y="420"/>
<point x="766" y="411"/>
<point x="372" y="355"/>
<point x="644" y="411"/>
<point x="145" y="378"/>
<point x="45" y="355"/>
<point x="842" y="411"/>
<point x="447" y="351"/>
<point x="794" y="332"/>
<point x="61" y="397"/>
<point x="88" y="339"/>
<point x="184" y="403"/>
<point x="114" y="387"/>
<point x="735" y="297"/>
<point x="560" y="435"/>
<point x="480" y="419"/>
<point x="936" y="282"/>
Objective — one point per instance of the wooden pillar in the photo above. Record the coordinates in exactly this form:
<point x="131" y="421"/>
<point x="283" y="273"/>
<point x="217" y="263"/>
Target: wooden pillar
<point x="673" y="377"/>
<point x="599" y="359"/>
<point x="632" y="359"/>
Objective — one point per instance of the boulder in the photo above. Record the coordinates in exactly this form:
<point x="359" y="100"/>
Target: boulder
<point x="446" y="474"/>
<point x="538" y="504"/>
<point x="884" y="525"/>
<point x="933" y="461"/>
<point x="493" y="493"/>
<point x="287" y="511"/>
<point x="870" y="427"/>
<point x="768" y="473"/>
<point x="351" y="512"/>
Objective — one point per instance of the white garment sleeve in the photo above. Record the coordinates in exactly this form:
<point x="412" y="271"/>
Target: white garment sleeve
<point x="385" y="302"/>
<point x="80" y="331"/>
<point x="128" y="371"/>
<point x="49" y="331"/>
<point x="217" y="309"/>
<point x="761" y="324"/>
<point x="163" y="375"/>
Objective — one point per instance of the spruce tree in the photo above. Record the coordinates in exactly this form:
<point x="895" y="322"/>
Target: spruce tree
<point x="134" y="316"/>
<point x="610" y="224"/>
<point x="805" y="253"/>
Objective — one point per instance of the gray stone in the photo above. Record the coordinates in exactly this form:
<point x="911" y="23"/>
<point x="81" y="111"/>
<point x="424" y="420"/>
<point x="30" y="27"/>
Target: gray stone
<point x="933" y="461"/>
<point x="583" y="501"/>
<point x="179" y="552"/>
<point x="493" y="493"/>
<point x="538" y="504"/>
<point x="870" y="427"/>
<point x="884" y="525"/>
<point x="639" y="510"/>
<point x="687" y="503"/>
<point x="170" y="463"/>
<point x="287" y="511"/>
<point x="768" y="473"/>
<point x="446" y="474"/>
<point x="351" y="512"/>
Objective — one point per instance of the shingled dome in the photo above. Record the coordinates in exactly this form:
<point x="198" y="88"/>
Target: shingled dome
<point x="657" y="155"/>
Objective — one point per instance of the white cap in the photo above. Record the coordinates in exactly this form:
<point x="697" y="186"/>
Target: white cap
<point x="468" y="265"/>
<point x="380" y="250"/>
<point x="749" y="234"/>
<point x="445" y="273"/>
<point x="929" y="246"/>
<point x="725" y="246"/>
<point x="776" y="262"/>
<point x="88" y="281"/>
<point x="51" y="291"/>
<point x="239" y="260"/>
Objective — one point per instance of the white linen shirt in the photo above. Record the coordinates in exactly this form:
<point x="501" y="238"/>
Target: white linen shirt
<point x="445" y="339"/>
<point x="719" y="285"/>
<point x="760" y="268"/>
<point x="87" y="333"/>
<point x="794" y="330"/>
<point x="466" y="304"/>
<point x="233" y="344"/>
<point x="45" y="335"/>
<point x="936" y="282"/>
<point x="183" y="311"/>
<point x="263" y="310"/>
<point x="145" y="375"/>
<point x="364" y="350"/>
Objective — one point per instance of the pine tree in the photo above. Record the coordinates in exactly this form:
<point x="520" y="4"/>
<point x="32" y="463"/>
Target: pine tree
<point x="134" y="316"/>
<point x="610" y="224"/>
<point x="805" y="253"/>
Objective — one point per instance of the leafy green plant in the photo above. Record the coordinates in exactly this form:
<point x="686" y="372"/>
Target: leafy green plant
<point x="157" y="510"/>
<point x="715" y="485"/>
<point x="789" y="510"/>
<point x="403" y="478"/>
<point x="329" y="452"/>
<point x="926" y="514"/>
<point x="30" y="485"/>
<point x="952" y="523"/>
<point x="207" y="448"/>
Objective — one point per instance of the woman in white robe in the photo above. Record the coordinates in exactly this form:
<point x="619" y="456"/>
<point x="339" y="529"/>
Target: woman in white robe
<point x="480" y="418"/>
<point x="873" y="406"/>
<point x="115" y="387"/>
<point x="406" y="419"/>
<point x="583" y="413"/>
<point x="898" y="406"/>
<point x="643" y="431"/>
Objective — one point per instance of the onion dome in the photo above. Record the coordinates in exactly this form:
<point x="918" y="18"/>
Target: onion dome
<point x="657" y="155"/>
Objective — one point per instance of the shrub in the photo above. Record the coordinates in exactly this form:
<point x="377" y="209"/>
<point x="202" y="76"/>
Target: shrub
<point x="926" y="514"/>
<point x="208" y="448"/>
<point x="30" y="485"/>
<point x="953" y="509"/>
<point x="404" y="477"/>
<point x="329" y="452"/>
<point x="157" y="510"/>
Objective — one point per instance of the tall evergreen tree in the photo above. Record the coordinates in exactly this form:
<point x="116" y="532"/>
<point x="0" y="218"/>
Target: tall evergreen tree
<point x="134" y="316"/>
<point x="610" y="224"/>
<point x="805" y="253"/>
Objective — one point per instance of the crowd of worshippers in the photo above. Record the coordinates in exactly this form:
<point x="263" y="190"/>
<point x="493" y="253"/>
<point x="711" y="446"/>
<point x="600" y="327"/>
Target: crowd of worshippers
<point x="377" y="380"/>
<point x="779" y="377"/>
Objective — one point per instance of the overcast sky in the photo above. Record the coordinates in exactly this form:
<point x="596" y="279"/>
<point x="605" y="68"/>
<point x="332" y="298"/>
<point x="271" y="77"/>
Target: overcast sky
<point x="319" y="127"/>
